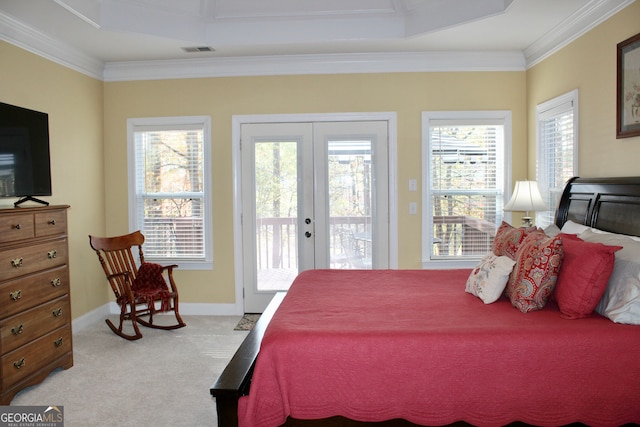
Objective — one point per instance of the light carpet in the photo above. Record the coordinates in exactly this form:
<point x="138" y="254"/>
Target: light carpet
<point x="162" y="379"/>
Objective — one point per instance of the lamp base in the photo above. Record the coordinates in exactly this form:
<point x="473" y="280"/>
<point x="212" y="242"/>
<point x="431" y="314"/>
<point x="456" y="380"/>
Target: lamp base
<point x="527" y="221"/>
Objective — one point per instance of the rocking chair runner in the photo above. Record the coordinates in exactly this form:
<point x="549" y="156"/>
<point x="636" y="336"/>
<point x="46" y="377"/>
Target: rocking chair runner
<point x="137" y="290"/>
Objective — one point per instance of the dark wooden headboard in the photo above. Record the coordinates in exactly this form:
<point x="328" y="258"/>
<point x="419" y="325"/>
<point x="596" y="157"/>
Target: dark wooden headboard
<point x="610" y="204"/>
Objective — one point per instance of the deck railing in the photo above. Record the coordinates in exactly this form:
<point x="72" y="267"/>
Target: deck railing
<point x="459" y="235"/>
<point x="181" y="237"/>
<point x="277" y="238"/>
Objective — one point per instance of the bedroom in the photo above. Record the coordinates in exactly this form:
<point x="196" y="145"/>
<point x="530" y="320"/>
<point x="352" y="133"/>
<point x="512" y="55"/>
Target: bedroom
<point x="89" y="125"/>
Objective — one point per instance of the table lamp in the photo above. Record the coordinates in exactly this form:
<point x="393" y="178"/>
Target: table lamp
<point x="526" y="198"/>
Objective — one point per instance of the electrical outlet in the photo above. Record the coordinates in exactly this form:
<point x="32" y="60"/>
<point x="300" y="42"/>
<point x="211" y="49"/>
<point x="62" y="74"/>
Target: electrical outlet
<point x="413" y="208"/>
<point x="413" y="185"/>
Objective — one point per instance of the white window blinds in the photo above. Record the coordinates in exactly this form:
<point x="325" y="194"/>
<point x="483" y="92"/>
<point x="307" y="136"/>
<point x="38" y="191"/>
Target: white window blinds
<point x="557" y="151"/>
<point x="465" y="186"/>
<point x="170" y="203"/>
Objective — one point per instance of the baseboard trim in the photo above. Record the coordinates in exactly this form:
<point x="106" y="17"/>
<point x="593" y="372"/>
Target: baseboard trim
<point x="187" y="309"/>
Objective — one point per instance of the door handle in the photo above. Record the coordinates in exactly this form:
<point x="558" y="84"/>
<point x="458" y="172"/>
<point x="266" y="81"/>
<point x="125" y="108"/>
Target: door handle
<point x="307" y="234"/>
<point x="307" y="220"/>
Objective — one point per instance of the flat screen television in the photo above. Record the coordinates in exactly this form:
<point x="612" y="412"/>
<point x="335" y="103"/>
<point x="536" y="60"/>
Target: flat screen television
<point x="25" y="165"/>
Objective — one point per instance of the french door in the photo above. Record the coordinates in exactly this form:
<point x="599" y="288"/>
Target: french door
<point x="314" y="195"/>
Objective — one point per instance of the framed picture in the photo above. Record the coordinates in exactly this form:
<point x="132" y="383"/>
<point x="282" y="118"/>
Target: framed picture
<point x="628" y="88"/>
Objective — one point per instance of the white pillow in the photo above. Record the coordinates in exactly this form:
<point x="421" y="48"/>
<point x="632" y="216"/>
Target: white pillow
<point x="621" y="299"/>
<point x="488" y="280"/>
<point x="552" y="230"/>
<point x="571" y="227"/>
<point x="598" y="231"/>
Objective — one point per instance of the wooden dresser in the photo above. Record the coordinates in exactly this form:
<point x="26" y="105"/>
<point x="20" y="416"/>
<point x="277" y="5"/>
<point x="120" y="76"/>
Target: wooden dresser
<point x="35" y="311"/>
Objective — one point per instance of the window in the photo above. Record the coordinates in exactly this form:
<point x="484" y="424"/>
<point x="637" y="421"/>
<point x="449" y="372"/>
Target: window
<point x="169" y="197"/>
<point x="466" y="163"/>
<point x="557" y="148"/>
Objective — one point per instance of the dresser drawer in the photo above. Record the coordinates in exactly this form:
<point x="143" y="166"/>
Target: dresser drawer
<point x="50" y="223"/>
<point x="26" y="292"/>
<point x="19" y="364"/>
<point x="27" y="326"/>
<point x="19" y="261"/>
<point x="16" y="226"/>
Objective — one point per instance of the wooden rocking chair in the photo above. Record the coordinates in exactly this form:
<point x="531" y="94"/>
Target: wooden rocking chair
<point x="138" y="290"/>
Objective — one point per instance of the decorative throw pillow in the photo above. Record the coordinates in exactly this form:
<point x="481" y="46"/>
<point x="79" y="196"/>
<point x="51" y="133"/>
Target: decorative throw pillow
<point x="621" y="299"/>
<point x="488" y="279"/>
<point x="508" y="239"/>
<point x="534" y="276"/>
<point x="586" y="269"/>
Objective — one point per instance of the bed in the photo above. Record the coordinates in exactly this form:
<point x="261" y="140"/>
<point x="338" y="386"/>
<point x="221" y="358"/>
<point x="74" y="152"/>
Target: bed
<point x="411" y="347"/>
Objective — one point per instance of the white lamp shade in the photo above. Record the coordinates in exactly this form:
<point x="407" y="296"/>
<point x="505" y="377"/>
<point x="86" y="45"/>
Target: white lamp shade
<point x="526" y="198"/>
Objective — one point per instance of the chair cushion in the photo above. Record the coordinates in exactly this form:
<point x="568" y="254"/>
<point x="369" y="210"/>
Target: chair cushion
<point x="149" y="286"/>
<point x="149" y="278"/>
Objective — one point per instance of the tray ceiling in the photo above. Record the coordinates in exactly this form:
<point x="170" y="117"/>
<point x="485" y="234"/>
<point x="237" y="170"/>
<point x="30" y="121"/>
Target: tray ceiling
<point x="115" y="31"/>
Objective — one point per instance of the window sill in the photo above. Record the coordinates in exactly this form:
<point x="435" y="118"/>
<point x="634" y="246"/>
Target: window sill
<point x="444" y="264"/>
<point x="183" y="264"/>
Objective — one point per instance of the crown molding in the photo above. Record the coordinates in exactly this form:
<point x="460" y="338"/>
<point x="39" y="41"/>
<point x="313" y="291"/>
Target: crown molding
<point x="315" y="64"/>
<point x="31" y="40"/>
<point x="589" y="17"/>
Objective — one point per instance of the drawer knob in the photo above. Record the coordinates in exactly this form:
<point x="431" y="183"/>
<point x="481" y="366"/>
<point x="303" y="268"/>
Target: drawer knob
<point x="52" y="222"/>
<point x="57" y="312"/>
<point x="19" y="363"/>
<point x="58" y="342"/>
<point x="56" y="282"/>
<point x="17" y="330"/>
<point x="52" y="254"/>
<point x="17" y="226"/>
<point x="16" y="262"/>
<point x="16" y="295"/>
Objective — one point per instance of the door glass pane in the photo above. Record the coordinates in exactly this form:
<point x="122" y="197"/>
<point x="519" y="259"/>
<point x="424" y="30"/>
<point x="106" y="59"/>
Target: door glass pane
<point x="276" y="196"/>
<point x="350" y="204"/>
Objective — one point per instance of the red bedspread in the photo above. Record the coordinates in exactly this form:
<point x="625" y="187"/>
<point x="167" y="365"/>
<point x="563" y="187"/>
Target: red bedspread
<point x="378" y="345"/>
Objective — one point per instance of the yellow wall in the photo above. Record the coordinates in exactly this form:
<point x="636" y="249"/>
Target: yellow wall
<point x="74" y="103"/>
<point x="589" y="65"/>
<point x="88" y="134"/>
<point x="407" y="94"/>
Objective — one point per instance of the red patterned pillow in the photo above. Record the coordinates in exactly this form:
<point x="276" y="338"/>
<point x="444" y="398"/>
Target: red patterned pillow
<point x="583" y="278"/>
<point x="534" y="276"/>
<point x="509" y="238"/>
